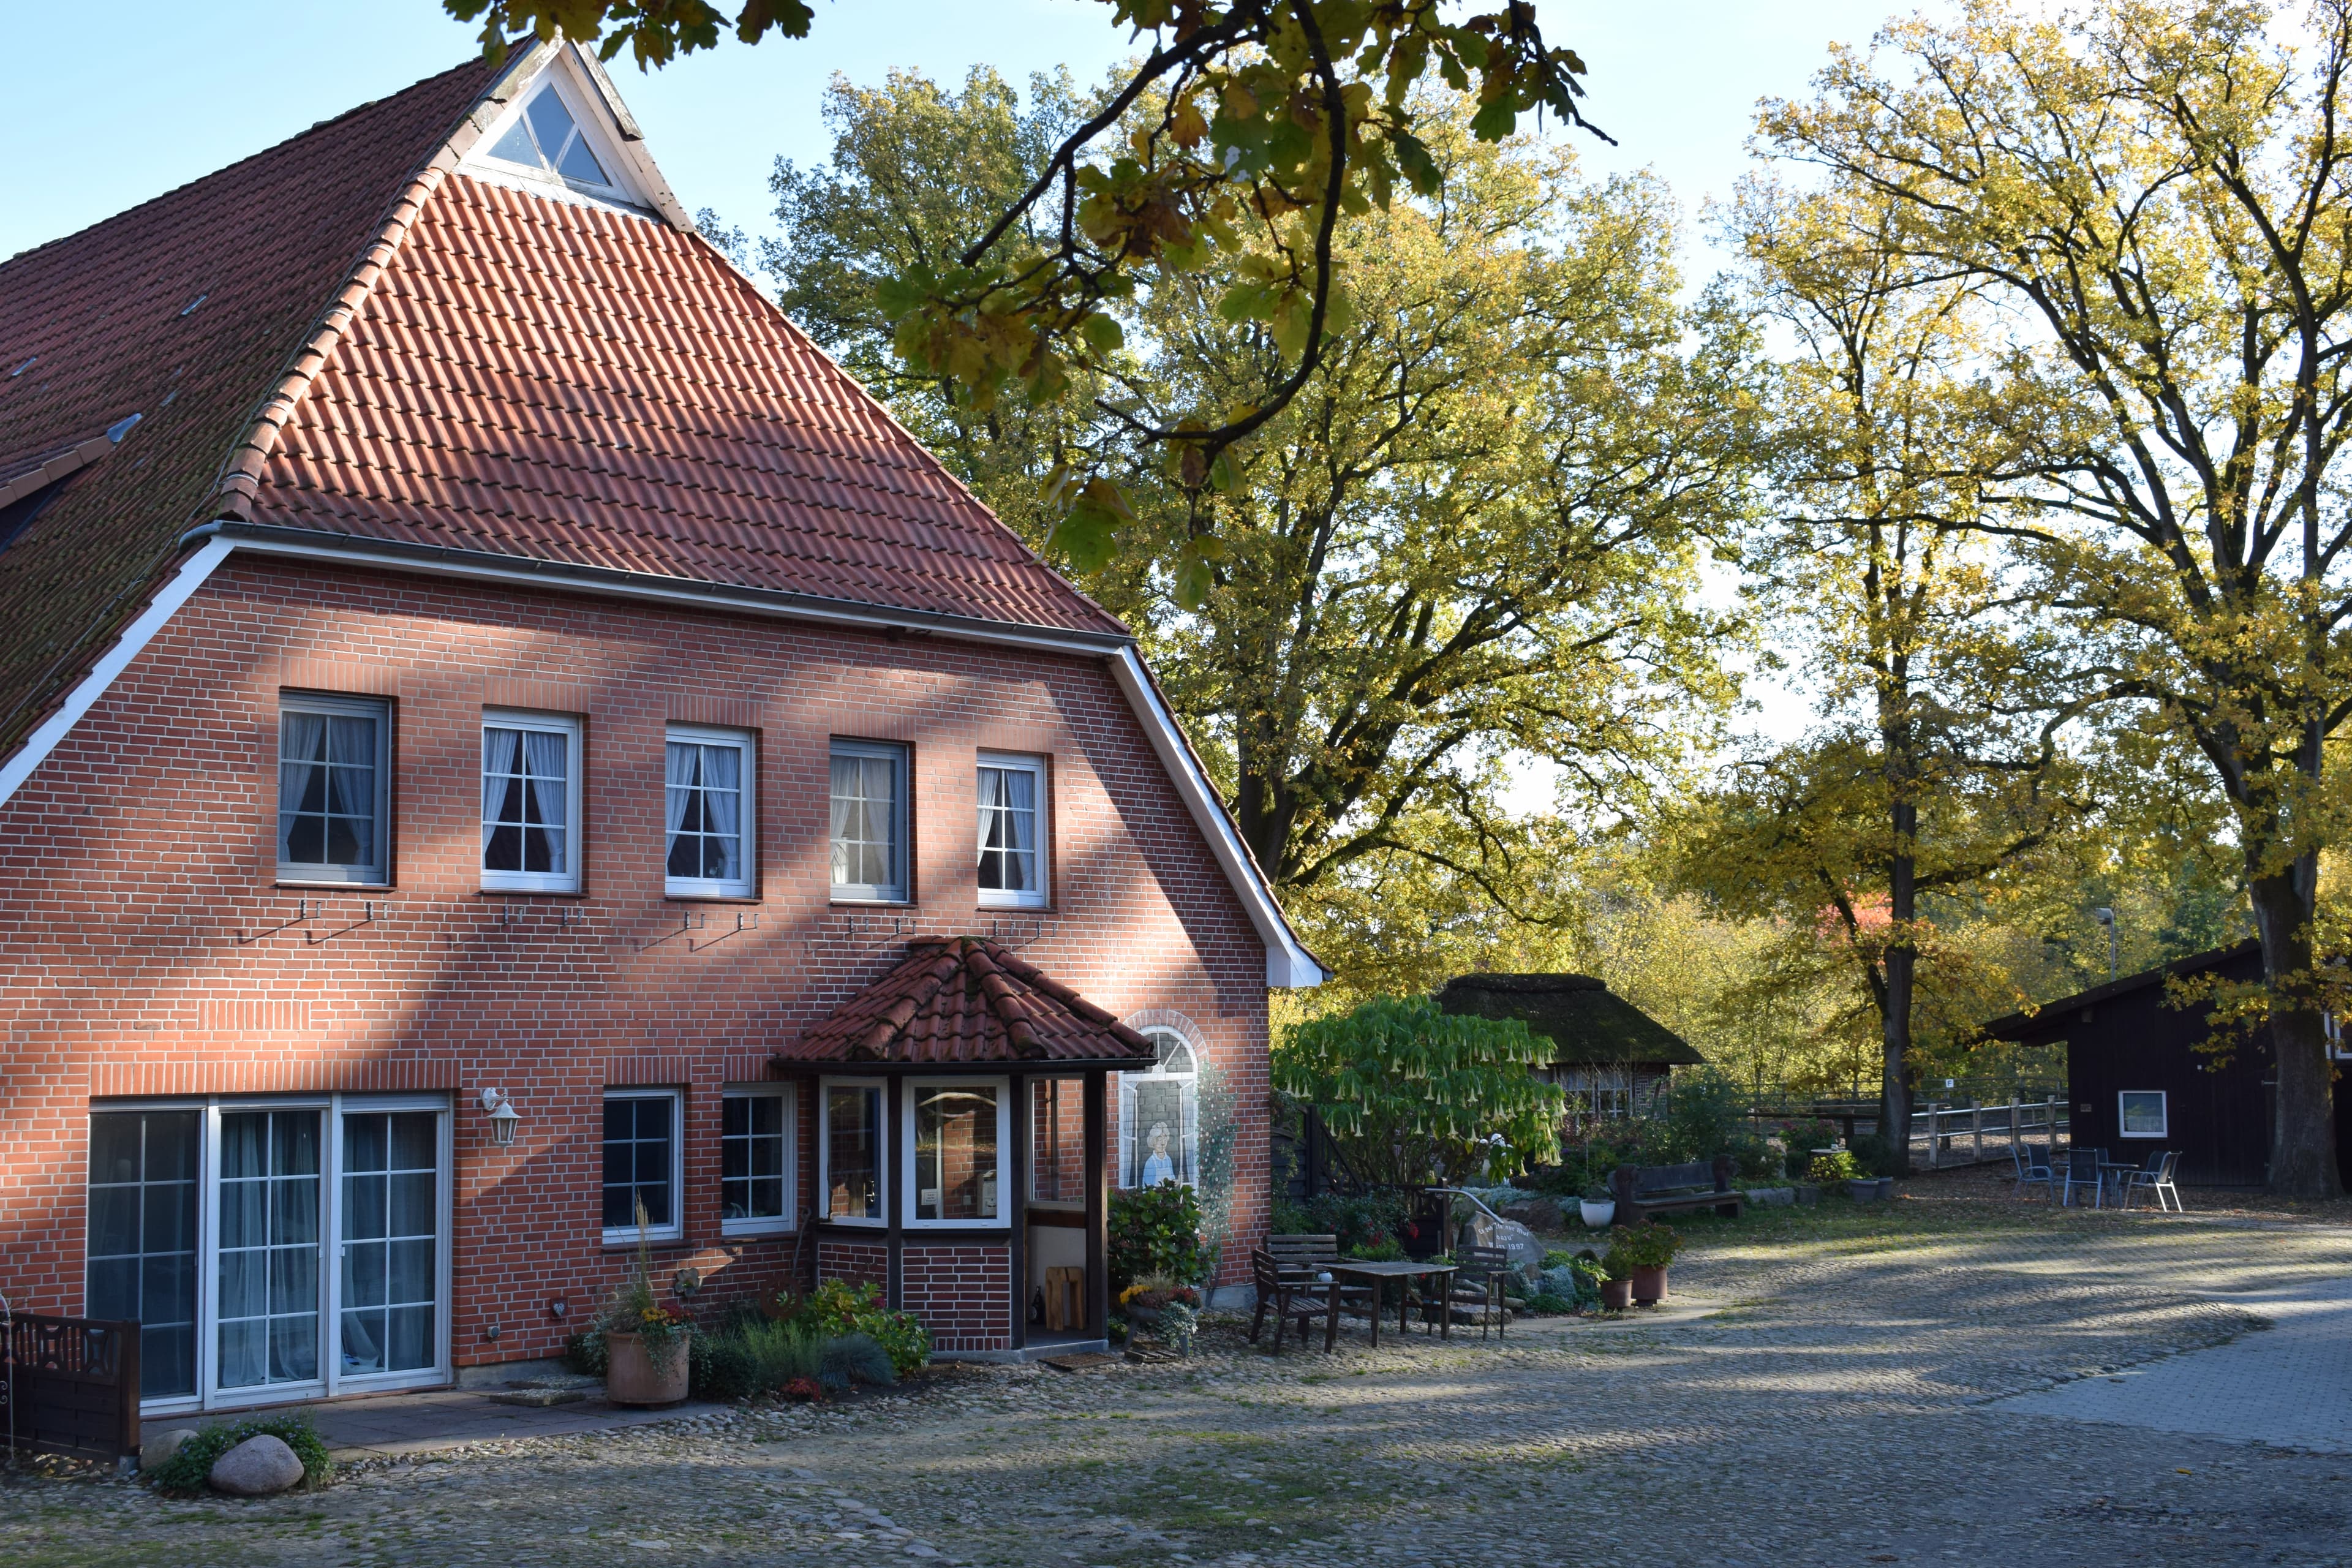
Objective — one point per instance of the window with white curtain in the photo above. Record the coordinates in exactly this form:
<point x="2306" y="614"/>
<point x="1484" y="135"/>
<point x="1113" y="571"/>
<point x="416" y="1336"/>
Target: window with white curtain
<point x="708" y="811"/>
<point x="334" y="789"/>
<point x="869" y="821"/>
<point x="1012" y="830"/>
<point x="531" y="803"/>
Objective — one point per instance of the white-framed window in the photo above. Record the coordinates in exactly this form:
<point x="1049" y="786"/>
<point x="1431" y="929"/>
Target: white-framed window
<point x="1160" y="1116"/>
<point x="643" y="1164"/>
<point x="1058" y="1143"/>
<point x="1012" y="858"/>
<point x="550" y="139"/>
<point x="531" y="803"/>
<point x="869" y="822"/>
<point x="334" y="789"/>
<point x="849" y="1149"/>
<point x="273" y="1247"/>
<point x="755" y="1159"/>
<point x="955" y="1133"/>
<point x="708" y="813"/>
<point x="2142" y="1113"/>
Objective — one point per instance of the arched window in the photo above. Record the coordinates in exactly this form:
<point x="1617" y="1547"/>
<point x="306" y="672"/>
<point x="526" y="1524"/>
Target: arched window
<point x="1160" y="1116"/>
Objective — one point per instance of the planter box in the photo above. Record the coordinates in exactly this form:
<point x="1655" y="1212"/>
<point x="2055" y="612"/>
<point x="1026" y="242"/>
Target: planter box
<point x="1598" y="1215"/>
<point x="1863" y="1189"/>
<point x="1772" y="1197"/>
<point x="1649" y="1286"/>
<point x="1807" y="1193"/>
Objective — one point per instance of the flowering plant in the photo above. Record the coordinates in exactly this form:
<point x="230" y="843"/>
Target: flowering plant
<point x="634" y="1310"/>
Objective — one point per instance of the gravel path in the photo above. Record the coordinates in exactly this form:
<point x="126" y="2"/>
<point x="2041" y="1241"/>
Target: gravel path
<point x="1844" y="1406"/>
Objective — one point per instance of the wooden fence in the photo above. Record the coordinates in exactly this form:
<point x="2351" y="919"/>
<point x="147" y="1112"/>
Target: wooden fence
<point x="1945" y="1136"/>
<point x="70" y="1385"/>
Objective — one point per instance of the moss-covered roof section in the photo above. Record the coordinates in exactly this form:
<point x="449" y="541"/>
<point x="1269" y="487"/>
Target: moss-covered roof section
<point x="1584" y="1020"/>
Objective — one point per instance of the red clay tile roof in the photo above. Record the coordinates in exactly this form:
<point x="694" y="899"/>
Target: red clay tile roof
<point x="964" y="1000"/>
<point x="340" y="336"/>
<point x="105" y="316"/>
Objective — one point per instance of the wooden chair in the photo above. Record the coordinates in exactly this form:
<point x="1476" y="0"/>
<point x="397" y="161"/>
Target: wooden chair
<point x="1307" y="1254"/>
<point x="1478" y="1284"/>
<point x="1293" y="1298"/>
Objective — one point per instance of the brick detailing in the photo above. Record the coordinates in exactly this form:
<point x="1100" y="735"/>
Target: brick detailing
<point x="139" y="913"/>
<point x="859" y="1262"/>
<point x="963" y="1293"/>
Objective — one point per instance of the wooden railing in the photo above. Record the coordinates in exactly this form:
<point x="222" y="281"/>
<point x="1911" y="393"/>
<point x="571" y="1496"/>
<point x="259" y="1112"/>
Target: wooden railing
<point x="1942" y="1137"/>
<point x="70" y="1385"/>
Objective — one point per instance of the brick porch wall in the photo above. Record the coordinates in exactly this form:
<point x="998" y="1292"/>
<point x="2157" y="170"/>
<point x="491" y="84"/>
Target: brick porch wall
<point x="963" y="1293"/>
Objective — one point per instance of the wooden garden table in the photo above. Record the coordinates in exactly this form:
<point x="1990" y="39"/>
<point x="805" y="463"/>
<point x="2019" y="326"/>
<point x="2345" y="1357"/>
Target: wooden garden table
<point x="1356" y="1269"/>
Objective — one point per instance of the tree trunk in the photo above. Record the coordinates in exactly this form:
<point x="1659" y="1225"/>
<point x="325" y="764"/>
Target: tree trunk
<point x="1902" y="968"/>
<point x="2303" y="1126"/>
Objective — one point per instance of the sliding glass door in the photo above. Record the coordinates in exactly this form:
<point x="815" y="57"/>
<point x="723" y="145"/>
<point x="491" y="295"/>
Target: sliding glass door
<point x="273" y="1251"/>
<point x="267" y="1303"/>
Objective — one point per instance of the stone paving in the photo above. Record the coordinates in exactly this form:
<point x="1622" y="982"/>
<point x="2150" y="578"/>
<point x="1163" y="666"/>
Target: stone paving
<point x="1852" y="1399"/>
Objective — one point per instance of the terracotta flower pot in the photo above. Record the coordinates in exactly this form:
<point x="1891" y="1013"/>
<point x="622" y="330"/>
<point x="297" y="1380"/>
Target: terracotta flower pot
<point x="1616" y="1295"/>
<point x="1649" y="1285"/>
<point x="634" y="1375"/>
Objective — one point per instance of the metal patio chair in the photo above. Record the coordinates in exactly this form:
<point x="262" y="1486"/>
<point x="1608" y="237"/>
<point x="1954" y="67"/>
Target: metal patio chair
<point x="2033" y="1170"/>
<point x="2084" y="1168"/>
<point x="2156" y="1177"/>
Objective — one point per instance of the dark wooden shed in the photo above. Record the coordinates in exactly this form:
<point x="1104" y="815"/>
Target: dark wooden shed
<point x="1607" y="1052"/>
<point x="2139" y="1083"/>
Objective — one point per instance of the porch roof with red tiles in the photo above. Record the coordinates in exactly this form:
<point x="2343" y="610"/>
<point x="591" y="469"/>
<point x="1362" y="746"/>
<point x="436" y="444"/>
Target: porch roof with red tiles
<point x="964" y="1001"/>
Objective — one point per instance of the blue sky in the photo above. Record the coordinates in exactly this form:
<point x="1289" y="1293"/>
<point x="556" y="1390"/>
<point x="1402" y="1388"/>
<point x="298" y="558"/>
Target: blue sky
<point x="163" y="92"/>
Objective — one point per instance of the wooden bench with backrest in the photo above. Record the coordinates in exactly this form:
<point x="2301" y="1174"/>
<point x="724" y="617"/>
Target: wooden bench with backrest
<point x="1644" y="1191"/>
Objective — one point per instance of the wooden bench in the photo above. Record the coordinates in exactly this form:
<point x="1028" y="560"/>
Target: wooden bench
<point x="1643" y="1192"/>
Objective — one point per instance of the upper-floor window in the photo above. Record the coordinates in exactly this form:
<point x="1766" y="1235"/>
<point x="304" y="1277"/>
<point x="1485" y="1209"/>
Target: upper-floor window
<point x="1012" y="830"/>
<point x="708" y="813"/>
<point x="546" y="139"/>
<point x="531" y="803"/>
<point x="869" y="821"/>
<point x="334" y="789"/>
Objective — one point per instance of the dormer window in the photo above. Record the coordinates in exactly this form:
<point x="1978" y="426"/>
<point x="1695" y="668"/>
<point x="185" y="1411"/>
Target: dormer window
<point x="549" y="140"/>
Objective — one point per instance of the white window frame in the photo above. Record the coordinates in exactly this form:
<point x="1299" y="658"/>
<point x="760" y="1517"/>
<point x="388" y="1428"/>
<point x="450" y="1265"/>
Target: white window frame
<point x="2164" y="1113"/>
<point x="328" y="705"/>
<point x="1029" y="1153"/>
<point x="567" y="880"/>
<point x="901" y="860"/>
<point x="557" y="80"/>
<point x="747" y="814"/>
<point x="909" y="1092"/>
<point x="626" y="1234"/>
<point x="783" y="1224"/>
<point x="823" y="1210"/>
<point x="332" y="1379"/>
<point x="1041" y="896"/>
<point x="1188" y="1097"/>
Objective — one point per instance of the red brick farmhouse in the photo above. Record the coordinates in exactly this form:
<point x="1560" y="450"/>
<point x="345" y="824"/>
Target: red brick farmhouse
<point x="498" y="735"/>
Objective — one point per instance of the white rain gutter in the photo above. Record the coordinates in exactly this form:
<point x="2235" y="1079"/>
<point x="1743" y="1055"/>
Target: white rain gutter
<point x="1288" y="964"/>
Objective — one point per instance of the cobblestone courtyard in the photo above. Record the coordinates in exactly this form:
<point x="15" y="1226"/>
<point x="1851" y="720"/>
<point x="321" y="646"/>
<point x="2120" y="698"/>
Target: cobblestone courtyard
<point x="1849" y="1403"/>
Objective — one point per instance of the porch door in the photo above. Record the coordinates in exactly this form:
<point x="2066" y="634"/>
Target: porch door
<point x="388" y="1244"/>
<point x="268" y="1293"/>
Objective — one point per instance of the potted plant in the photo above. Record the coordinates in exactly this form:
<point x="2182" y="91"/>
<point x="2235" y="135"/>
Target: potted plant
<point x="1639" y="1255"/>
<point x="1148" y="1298"/>
<point x="646" y="1360"/>
<point x="1597" y="1207"/>
<point x="1616" y="1295"/>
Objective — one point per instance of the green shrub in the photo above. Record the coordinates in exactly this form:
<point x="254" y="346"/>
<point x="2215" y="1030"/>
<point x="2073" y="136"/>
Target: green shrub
<point x="1827" y="1170"/>
<point x="856" y="1358"/>
<point x="1645" y="1245"/>
<point x="1154" y="1231"/>
<point x="1873" y="1154"/>
<point x="837" y="1308"/>
<point x="1388" y="1250"/>
<point x="1368" y="1220"/>
<point x="186" y="1470"/>
<point x="584" y="1353"/>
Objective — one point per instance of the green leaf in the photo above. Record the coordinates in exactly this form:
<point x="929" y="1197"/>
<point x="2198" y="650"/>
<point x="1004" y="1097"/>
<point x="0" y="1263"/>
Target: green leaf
<point x="1493" y="122"/>
<point x="1102" y="334"/>
<point x="1417" y="166"/>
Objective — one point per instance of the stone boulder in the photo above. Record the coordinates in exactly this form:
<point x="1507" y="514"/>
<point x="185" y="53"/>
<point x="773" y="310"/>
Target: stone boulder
<point x="156" y="1452"/>
<point x="261" y="1466"/>
<point x="1772" y="1197"/>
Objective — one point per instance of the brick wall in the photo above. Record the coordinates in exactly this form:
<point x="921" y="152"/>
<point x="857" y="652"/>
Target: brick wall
<point x="859" y="1262"/>
<point x="962" y="1291"/>
<point x="146" y="948"/>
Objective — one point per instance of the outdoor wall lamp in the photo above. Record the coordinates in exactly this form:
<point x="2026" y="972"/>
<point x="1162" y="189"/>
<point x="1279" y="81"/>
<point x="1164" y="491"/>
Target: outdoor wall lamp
<point x="504" y="1117"/>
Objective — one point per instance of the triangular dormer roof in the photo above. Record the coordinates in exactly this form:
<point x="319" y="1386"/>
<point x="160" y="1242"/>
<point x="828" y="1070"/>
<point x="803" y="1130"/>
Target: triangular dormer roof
<point x="388" y="340"/>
